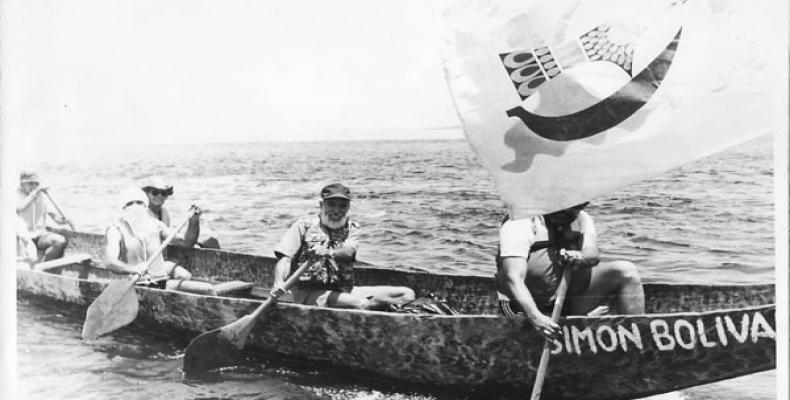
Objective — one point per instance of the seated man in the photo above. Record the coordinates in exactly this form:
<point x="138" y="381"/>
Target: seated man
<point x="157" y="192"/>
<point x="33" y="210"/>
<point x="328" y="244"/>
<point x="530" y="266"/>
<point x="135" y="236"/>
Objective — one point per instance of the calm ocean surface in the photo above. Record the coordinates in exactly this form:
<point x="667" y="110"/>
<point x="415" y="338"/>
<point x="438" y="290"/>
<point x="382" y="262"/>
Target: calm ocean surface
<point x="423" y="205"/>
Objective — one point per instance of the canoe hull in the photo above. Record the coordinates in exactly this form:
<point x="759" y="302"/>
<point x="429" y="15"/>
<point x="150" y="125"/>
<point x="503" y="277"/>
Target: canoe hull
<point x="604" y="357"/>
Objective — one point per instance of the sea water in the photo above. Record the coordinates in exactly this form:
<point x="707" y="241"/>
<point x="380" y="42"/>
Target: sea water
<point x="422" y="205"/>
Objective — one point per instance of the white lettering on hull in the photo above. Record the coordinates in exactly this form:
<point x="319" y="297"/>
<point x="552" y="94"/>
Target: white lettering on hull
<point x="666" y="335"/>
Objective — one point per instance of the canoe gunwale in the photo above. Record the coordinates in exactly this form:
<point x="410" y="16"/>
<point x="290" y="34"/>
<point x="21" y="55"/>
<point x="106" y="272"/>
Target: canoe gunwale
<point x="472" y="350"/>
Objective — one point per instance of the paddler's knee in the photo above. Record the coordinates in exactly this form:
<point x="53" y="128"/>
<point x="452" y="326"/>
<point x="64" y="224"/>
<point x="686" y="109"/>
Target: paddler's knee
<point x="627" y="272"/>
<point x="405" y="295"/>
<point x="180" y="272"/>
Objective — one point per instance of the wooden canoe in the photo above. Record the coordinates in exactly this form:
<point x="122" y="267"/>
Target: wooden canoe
<point x="692" y="334"/>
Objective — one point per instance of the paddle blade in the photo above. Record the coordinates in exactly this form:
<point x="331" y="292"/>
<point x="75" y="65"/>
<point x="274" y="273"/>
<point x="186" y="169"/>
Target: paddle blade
<point x="116" y="306"/>
<point x="218" y="348"/>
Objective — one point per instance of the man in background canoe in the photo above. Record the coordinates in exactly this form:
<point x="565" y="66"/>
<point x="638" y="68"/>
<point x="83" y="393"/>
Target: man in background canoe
<point x="33" y="210"/>
<point x="530" y="266"/>
<point x="157" y="191"/>
<point x="328" y="244"/>
<point x="136" y="235"/>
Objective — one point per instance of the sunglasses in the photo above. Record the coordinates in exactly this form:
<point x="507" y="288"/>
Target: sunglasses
<point x="157" y="192"/>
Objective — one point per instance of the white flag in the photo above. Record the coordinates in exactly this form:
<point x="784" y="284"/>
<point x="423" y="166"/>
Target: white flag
<point x="571" y="99"/>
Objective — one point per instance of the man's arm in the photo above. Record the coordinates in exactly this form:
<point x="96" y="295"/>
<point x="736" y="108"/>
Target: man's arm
<point x="57" y="218"/>
<point x="25" y="202"/>
<point x="281" y="271"/>
<point x="190" y="238"/>
<point x="588" y="256"/>
<point x="511" y="277"/>
<point x="187" y="239"/>
<point x="192" y="233"/>
<point x="284" y="251"/>
<point x="111" y="252"/>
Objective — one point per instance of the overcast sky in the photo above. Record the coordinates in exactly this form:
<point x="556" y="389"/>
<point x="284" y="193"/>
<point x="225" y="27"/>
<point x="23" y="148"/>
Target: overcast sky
<point x="218" y="71"/>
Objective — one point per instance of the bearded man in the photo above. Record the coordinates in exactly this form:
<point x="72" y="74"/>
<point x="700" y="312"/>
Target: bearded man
<point x="136" y="236"/>
<point x="328" y="245"/>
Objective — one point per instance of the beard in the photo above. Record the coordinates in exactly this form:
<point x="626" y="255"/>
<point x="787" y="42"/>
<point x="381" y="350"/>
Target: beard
<point x="331" y="223"/>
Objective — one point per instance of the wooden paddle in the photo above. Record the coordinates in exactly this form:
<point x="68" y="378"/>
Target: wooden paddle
<point x="221" y="347"/>
<point x="559" y="301"/>
<point x="59" y="210"/>
<point x="117" y="305"/>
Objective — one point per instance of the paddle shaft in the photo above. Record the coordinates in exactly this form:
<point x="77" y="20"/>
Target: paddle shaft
<point x="287" y="285"/>
<point x="167" y="241"/>
<point x="559" y="301"/>
<point x="58" y="209"/>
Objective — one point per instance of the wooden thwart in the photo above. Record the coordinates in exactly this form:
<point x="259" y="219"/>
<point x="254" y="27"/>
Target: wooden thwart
<point x="59" y="262"/>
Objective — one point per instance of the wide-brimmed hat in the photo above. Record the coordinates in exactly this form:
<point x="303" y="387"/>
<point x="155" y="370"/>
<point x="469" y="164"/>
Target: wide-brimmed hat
<point x="157" y="182"/>
<point x="130" y="195"/>
<point x="335" y="191"/>
<point x="28" y="176"/>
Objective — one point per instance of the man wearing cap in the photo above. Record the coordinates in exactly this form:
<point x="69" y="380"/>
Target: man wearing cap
<point x="33" y="211"/>
<point x="532" y="255"/>
<point x="328" y="244"/>
<point x="135" y="236"/>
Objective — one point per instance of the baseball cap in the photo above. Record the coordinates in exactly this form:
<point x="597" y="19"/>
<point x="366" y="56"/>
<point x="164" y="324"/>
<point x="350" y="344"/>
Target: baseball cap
<point x="335" y="191"/>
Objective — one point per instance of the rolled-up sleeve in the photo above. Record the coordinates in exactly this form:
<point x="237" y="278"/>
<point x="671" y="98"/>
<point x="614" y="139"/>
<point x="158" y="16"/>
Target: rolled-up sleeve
<point x="516" y="238"/>
<point x="290" y="242"/>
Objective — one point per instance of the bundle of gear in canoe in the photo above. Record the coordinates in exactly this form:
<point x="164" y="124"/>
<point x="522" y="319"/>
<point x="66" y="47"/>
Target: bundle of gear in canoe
<point x="429" y="304"/>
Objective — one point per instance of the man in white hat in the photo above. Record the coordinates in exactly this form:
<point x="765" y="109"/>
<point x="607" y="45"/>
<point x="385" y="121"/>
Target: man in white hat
<point x="157" y="191"/>
<point x="136" y="236"/>
<point x="32" y="209"/>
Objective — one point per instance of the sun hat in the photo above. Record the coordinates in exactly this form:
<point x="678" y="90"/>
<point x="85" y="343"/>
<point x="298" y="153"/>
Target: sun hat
<point x="335" y="191"/>
<point x="131" y="194"/>
<point x="157" y="182"/>
<point x="28" y="176"/>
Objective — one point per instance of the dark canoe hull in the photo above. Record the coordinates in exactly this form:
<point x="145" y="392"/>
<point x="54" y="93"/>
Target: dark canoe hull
<point x="693" y="334"/>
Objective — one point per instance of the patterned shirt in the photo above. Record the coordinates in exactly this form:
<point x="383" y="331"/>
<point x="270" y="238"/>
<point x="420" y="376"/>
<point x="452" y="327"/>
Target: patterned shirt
<point x="323" y="272"/>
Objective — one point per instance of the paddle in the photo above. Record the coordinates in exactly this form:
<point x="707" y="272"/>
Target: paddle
<point x="117" y="305"/>
<point x="220" y="347"/>
<point x="559" y="301"/>
<point x="59" y="210"/>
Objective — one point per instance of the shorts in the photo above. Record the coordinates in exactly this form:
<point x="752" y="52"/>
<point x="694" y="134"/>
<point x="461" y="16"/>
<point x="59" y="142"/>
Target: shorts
<point x="580" y="282"/>
<point x="311" y="296"/>
<point x="159" y="281"/>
